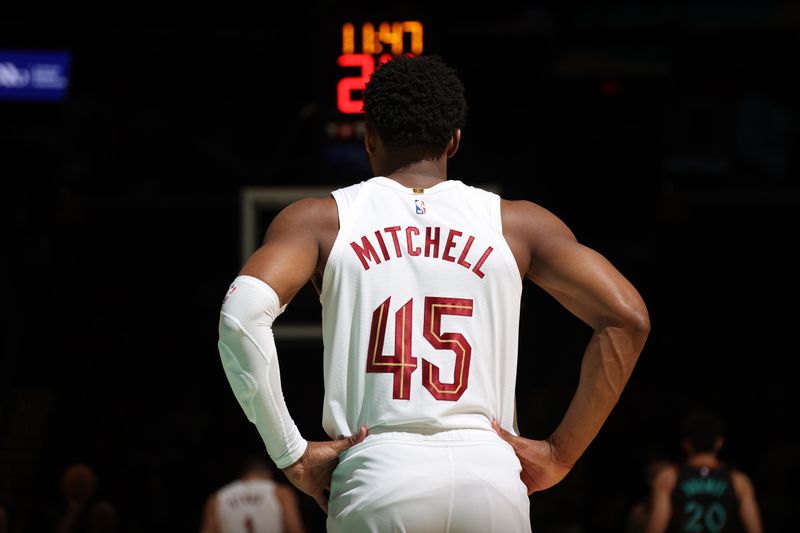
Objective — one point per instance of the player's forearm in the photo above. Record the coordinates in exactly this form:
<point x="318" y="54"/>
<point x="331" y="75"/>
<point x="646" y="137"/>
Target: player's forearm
<point x="607" y="365"/>
<point x="250" y="361"/>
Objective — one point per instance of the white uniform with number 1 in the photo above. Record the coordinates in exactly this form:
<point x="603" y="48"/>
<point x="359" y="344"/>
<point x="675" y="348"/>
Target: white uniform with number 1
<point x="249" y="507"/>
<point x="420" y="312"/>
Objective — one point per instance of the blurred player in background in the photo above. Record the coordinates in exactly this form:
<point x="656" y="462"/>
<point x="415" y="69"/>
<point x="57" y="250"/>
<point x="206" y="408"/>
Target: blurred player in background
<point x="254" y="503"/>
<point x="702" y="494"/>
<point x="420" y="280"/>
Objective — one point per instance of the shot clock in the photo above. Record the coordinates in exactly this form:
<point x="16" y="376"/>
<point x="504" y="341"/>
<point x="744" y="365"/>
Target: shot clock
<point x="378" y="43"/>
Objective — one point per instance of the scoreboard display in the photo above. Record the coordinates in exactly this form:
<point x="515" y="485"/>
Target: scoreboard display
<point x="366" y="46"/>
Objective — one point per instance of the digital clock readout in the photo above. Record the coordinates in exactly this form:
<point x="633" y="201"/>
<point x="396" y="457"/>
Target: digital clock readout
<point x="379" y="44"/>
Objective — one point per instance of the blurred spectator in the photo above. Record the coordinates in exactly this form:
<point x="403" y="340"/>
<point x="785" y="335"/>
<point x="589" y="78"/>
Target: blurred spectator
<point x="80" y="510"/>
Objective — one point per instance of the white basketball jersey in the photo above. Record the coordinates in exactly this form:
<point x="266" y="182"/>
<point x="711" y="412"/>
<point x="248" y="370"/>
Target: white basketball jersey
<point x="420" y="311"/>
<point x="249" y="507"/>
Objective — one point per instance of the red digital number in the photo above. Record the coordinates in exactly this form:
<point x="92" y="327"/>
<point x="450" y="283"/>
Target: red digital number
<point x="402" y="364"/>
<point x="346" y="86"/>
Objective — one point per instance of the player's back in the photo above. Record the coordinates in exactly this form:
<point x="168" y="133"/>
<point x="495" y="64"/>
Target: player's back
<point x="420" y="299"/>
<point x="704" y="500"/>
<point x="249" y="506"/>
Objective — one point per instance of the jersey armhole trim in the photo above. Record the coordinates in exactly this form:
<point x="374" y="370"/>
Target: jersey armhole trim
<point x="496" y="216"/>
<point x="345" y="202"/>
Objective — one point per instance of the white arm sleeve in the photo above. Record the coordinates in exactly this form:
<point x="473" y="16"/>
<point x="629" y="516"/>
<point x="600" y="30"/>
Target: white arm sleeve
<point x="247" y="350"/>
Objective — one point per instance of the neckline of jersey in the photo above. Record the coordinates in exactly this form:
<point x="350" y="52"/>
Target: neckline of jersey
<point x="441" y="186"/>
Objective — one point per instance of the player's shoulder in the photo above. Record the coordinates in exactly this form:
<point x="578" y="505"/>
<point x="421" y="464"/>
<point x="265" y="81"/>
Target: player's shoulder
<point x="211" y="499"/>
<point x="310" y="213"/>
<point x="310" y="206"/>
<point x="666" y="478"/>
<point x="741" y="481"/>
<point x="523" y="208"/>
<point x="531" y="220"/>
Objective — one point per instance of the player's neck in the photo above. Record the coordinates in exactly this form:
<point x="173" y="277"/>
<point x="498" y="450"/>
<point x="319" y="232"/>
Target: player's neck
<point x="419" y="173"/>
<point x="704" y="459"/>
<point x="250" y="476"/>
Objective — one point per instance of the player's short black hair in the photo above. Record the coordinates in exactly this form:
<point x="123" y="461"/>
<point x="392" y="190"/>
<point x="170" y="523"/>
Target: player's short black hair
<point x="702" y="428"/>
<point x="415" y="104"/>
<point x="256" y="463"/>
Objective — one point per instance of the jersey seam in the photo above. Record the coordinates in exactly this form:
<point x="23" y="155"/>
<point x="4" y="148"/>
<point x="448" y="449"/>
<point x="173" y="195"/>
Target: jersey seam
<point x="332" y="261"/>
<point x="510" y="260"/>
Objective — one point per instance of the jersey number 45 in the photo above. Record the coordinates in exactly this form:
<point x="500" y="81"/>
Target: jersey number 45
<point x="402" y="364"/>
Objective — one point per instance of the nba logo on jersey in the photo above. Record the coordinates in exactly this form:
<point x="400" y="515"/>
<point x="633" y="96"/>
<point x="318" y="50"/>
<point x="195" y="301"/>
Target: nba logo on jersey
<point x="420" y="205"/>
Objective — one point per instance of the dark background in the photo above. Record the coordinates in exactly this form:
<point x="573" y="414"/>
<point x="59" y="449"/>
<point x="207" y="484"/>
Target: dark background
<point x="665" y="135"/>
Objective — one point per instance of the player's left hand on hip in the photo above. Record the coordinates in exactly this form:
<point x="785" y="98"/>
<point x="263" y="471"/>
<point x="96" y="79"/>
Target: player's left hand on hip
<point x="540" y="470"/>
<point x="312" y="473"/>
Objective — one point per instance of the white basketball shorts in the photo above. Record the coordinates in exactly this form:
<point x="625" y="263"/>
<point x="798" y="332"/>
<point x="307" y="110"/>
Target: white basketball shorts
<point x="455" y="481"/>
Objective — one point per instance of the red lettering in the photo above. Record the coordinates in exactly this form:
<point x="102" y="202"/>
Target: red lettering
<point x="432" y="242"/>
<point x="412" y="251"/>
<point x="482" y="260"/>
<point x="382" y="244"/>
<point x="371" y="255"/>
<point x="462" y="258"/>
<point x="393" y="230"/>
<point x="364" y="251"/>
<point x="450" y="244"/>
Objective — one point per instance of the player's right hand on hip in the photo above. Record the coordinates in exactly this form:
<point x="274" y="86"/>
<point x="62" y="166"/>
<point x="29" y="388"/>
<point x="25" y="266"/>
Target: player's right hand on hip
<point x="540" y="470"/>
<point x="312" y="473"/>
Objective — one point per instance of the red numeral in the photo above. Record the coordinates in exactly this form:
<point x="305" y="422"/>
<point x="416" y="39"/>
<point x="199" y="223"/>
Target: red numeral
<point x="402" y="364"/>
<point x="434" y="309"/>
<point x="346" y="86"/>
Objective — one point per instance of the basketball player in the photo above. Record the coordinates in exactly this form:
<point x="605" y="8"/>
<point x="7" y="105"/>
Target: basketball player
<point x="254" y="503"/>
<point x="702" y="494"/>
<point x="420" y="279"/>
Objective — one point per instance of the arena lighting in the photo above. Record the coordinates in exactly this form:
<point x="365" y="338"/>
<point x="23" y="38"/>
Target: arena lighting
<point x="384" y="41"/>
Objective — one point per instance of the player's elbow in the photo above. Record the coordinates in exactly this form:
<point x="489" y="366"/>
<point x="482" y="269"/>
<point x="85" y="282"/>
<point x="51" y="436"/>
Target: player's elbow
<point x="638" y="321"/>
<point x="634" y="320"/>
